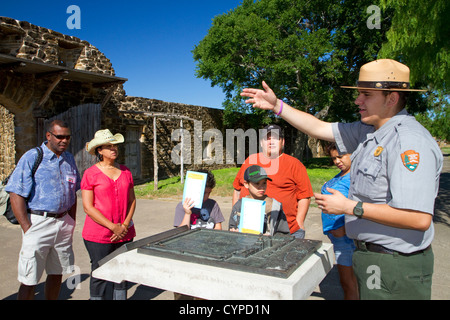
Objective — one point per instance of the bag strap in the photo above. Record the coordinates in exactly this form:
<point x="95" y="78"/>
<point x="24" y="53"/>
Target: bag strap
<point x="38" y="160"/>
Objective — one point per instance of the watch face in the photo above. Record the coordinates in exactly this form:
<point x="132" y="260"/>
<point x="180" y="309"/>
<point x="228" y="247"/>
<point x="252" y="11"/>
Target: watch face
<point x="358" y="210"/>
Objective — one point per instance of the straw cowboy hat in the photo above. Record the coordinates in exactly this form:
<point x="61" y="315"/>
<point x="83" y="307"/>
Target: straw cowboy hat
<point x="101" y="138"/>
<point x="385" y="75"/>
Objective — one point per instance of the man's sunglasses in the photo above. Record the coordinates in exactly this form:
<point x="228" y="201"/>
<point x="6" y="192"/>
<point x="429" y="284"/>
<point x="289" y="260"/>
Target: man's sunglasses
<point x="59" y="136"/>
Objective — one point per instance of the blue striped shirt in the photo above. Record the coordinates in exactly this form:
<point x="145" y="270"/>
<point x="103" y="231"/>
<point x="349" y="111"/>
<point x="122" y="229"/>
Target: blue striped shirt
<point x="56" y="180"/>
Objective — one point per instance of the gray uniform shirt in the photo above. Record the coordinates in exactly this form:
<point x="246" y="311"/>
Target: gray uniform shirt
<point x="399" y="165"/>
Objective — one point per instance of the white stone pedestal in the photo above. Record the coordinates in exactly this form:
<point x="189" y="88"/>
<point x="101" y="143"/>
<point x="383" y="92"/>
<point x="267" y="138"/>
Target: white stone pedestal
<point x="215" y="283"/>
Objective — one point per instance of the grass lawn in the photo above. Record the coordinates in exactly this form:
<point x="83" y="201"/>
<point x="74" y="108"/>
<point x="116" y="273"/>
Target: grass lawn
<point x="446" y="150"/>
<point x="319" y="171"/>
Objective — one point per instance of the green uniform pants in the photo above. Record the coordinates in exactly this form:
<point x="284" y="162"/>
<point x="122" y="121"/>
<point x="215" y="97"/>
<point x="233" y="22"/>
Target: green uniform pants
<point x="395" y="276"/>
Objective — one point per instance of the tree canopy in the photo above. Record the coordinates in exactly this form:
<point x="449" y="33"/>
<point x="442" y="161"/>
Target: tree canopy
<point x="304" y="50"/>
<point x="419" y="37"/>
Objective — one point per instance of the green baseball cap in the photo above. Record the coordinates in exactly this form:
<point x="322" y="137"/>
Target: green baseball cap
<point x="255" y="173"/>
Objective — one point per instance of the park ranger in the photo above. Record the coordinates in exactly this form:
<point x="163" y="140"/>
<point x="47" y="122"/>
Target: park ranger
<point x="394" y="181"/>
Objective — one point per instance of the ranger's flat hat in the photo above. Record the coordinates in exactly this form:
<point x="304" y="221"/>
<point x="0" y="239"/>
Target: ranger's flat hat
<point x="385" y="75"/>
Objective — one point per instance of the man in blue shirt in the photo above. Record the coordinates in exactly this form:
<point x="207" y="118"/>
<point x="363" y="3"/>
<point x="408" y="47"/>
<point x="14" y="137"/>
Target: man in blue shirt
<point x="46" y="208"/>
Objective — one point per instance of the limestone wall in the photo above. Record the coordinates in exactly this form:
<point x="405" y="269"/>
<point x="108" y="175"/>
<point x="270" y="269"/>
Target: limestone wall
<point x="20" y="92"/>
<point x="7" y="142"/>
<point x="206" y="117"/>
<point x="27" y="41"/>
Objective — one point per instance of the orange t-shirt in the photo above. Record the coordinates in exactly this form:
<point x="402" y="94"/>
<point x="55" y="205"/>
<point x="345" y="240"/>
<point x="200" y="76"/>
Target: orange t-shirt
<point x="289" y="184"/>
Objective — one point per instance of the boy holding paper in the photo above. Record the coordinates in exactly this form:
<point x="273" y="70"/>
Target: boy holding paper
<point x="209" y="216"/>
<point x="255" y="180"/>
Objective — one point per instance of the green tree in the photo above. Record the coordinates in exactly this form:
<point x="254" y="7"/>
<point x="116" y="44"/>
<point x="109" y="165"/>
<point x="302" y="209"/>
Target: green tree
<point x="419" y="37"/>
<point x="303" y="49"/>
<point x="437" y="118"/>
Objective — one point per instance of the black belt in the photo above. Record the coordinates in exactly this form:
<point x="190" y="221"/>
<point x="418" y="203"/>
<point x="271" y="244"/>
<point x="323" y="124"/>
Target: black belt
<point x="48" y="214"/>
<point x="373" y="247"/>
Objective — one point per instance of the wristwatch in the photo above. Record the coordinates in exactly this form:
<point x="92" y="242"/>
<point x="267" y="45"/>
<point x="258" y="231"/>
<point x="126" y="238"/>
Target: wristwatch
<point x="358" y="210"/>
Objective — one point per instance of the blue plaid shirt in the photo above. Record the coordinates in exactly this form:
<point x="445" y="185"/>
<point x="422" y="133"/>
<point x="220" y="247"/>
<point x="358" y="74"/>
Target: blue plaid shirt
<point x="56" y="181"/>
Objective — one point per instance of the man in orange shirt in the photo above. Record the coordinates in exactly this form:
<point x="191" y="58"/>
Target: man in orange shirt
<point x="290" y="184"/>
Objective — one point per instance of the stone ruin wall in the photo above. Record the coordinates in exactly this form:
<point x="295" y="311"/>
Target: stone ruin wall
<point x="27" y="41"/>
<point x="210" y="118"/>
<point x="7" y="151"/>
<point x="21" y="92"/>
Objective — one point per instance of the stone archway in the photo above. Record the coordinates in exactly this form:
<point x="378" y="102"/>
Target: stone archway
<point x="18" y="96"/>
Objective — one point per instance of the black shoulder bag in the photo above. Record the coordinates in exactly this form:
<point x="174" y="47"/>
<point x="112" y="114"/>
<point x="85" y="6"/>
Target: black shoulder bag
<point x="9" y="214"/>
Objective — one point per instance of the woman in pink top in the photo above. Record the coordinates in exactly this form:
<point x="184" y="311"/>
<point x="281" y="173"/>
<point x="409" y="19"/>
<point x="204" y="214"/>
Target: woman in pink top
<point x="109" y="202"/>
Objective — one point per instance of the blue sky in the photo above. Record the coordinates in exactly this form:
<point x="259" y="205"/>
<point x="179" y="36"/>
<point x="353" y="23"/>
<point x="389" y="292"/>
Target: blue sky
<point x="148" y="42"/>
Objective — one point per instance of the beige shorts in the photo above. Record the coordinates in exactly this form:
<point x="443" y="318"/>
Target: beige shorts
<point x="47" y="245"/>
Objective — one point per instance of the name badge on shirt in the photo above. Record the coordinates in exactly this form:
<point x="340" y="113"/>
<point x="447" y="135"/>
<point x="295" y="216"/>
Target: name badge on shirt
<point x="71" y="178"/>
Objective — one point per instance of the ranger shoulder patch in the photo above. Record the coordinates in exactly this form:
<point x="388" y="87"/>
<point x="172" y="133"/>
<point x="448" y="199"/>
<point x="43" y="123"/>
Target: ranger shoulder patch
<point x="410" y="160"/>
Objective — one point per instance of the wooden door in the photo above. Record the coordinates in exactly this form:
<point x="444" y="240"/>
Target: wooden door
<point x="133" y="151"/>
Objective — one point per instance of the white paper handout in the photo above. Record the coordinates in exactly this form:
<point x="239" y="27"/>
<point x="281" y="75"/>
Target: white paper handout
<point x="194" y="187"/>
<point x="252" y="216"/>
